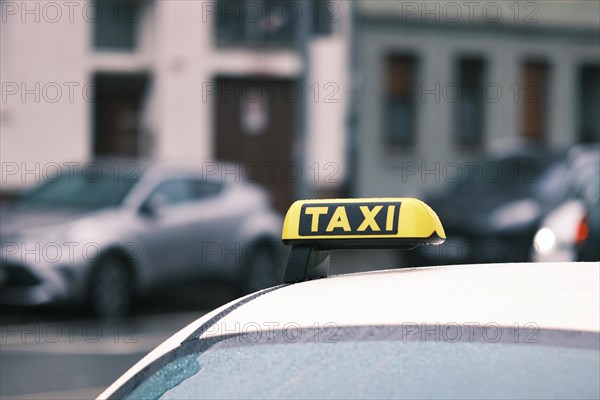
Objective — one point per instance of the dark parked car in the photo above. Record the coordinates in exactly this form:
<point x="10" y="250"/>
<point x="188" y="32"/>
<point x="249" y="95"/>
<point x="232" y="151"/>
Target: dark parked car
<point x="493" y="213"/>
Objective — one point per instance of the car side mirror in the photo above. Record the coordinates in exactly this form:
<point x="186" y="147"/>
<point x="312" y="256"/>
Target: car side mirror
<point x="153" y="205"/>
<point x="147" y="210"/>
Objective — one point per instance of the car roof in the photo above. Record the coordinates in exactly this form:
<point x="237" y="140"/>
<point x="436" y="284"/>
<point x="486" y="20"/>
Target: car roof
<point x="225" y="173"/>
<point x="553" y="296"/>
<point x="548" y="295"/>
<point x="210" y="171"/>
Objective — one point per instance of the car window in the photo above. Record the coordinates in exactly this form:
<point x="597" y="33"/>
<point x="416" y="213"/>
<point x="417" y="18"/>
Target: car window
<point x="553" y="184"/>
<point x="203" y="189"/>
<point x="515" y="173"/>
<point x="179" y="191"/>
<point x="377" y="362"/>
<point x="80" y="190"/>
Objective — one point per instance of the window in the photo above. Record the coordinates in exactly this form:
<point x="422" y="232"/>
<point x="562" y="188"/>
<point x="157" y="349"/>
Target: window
<point x="118" y="108"/>
<point x="469" y="107"/>
<point x="172" y="192"/>
<point x="89" y="189"/>
<point x="400" y="100"/>
<point x="534" y="100"/>
<point x="257" y="22"/>
<point x="179" y="191"/>
<point x="324" y="16"/>
<point x="589" y="88"/>
<point x="373" y="362"/>
<point x="204" y="189"/>
<point x="115" y="24"/>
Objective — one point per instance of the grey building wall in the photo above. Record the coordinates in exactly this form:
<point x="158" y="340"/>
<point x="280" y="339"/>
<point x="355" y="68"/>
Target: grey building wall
<point x="438" y="47"/>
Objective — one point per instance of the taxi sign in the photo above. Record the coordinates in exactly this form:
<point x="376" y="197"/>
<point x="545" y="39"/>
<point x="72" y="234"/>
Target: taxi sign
<point x="364" y="223"/>
<point x="312" y="227"/>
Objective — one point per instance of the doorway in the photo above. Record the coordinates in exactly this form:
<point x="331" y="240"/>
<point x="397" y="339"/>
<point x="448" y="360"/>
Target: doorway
<point x="255" y="127"/>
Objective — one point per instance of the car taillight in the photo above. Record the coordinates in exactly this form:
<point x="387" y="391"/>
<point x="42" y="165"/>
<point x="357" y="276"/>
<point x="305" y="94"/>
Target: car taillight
<point x="583" y="231"/>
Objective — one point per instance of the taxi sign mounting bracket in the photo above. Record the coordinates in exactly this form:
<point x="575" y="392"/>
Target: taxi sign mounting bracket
<point x="306" y="263"/>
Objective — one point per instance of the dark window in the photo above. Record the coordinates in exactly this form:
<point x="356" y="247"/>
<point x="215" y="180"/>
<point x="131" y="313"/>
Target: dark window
<point x="257" y="22"/>
<point x="118" y="108"/>
<point x="400" y="100"/>
<point x="116" y="23"/>
<point x="589" y="125"/>
<point x="534" y="100"/>
<point x="325" y="15"/>
<point x="469" y="107"/>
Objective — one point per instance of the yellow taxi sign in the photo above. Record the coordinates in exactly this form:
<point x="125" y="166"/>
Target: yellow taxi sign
<point x="371" y="222"/>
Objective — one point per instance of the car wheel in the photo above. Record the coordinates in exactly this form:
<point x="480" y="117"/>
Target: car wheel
<point x="260" y="269"/>
<point x="111" y="288"/>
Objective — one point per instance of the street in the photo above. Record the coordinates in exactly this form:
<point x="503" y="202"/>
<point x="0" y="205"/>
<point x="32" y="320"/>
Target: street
<point x="53" y="353"/>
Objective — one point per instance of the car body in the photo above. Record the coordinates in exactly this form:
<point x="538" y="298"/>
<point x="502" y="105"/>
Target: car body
<point x="571" y="232"/>
<point x="493" y="213"/>
<point x="470" y="331"/>
<point x="93" y="235"/>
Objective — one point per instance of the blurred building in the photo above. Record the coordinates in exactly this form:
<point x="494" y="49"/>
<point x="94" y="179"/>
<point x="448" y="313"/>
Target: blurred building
<point x="262" y="83"/>
<point x="444" y="82"/>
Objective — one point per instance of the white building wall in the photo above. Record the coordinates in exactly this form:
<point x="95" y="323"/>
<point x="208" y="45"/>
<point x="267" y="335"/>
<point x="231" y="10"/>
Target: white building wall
<point x="182" y="62"/>
<point x="45" y="96"/>
<point x="328" y="106"/>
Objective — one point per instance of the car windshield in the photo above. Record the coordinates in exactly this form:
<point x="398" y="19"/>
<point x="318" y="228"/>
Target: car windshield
<point x="79" y="190"/>
<point x="525" y="175"/>
<point x="376" y="362"/>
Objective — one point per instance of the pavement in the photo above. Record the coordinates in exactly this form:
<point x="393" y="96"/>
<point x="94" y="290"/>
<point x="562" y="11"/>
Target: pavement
<point x="77" y="359"/>
<point x="53" y="353"/>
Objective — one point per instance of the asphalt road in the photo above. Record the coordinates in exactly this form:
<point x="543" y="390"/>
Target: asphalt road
<point x="53" y="353"/>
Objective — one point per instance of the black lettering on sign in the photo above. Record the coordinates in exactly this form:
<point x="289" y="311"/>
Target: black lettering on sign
<point x="335" y="219"/>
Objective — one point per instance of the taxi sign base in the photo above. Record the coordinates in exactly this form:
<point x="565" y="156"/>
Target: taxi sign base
<point x="306" y="263"/>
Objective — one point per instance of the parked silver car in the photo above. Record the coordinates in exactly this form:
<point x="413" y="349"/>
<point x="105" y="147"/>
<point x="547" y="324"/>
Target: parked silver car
<point x="99" y="236"/>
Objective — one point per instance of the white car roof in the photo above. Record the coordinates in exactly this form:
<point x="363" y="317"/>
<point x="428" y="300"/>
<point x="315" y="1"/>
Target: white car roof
<point x="563" y="296"/>
<point x="553" y="296"/>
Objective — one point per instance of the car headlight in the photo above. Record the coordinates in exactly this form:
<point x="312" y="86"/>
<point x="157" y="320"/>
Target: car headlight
<point x="544" y="240"/>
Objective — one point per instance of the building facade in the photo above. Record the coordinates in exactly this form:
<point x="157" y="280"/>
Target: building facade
<point x="445" y="82"/>
<point x="260" y="83"/>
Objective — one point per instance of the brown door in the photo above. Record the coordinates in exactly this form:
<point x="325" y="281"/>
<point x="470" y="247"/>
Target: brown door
<point x="117" y="113"/>
<point x="255" y="125"/>
<point x="534" y="101"/>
